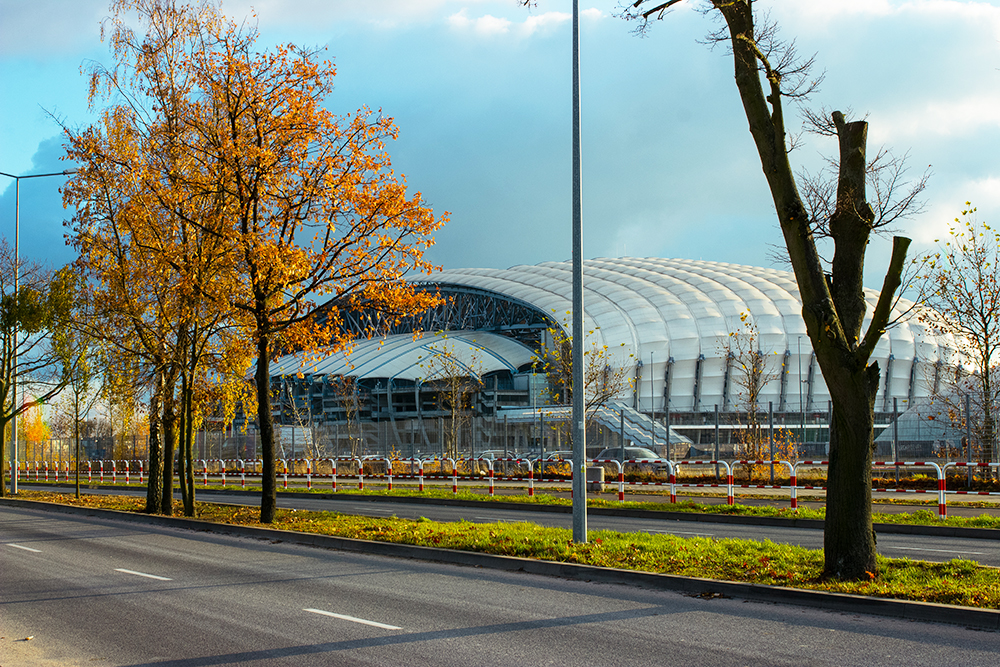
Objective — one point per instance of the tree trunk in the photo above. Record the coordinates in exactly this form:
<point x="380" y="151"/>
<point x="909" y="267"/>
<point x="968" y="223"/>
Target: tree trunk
<point x="848" y="536"/>
<point x="265" y="423"/>
<point x="188" y="450"/>
<point x="182" y="453"/>
<point x="4" y="467"/>
<point x="76" y="434"/>
<point x="154" y="487"/>
<point x="169" y="443"/>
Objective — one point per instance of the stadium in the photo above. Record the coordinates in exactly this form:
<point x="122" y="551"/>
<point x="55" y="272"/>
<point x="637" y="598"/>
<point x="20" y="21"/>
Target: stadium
<point x="667" y="328"/>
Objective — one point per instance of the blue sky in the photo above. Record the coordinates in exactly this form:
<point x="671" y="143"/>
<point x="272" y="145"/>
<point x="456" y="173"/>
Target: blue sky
<point x="481" y="93"/>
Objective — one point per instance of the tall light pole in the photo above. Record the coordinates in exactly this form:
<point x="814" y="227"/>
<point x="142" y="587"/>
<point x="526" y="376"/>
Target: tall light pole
<point x="17" y="277"/>
<point x="579" y="388"/>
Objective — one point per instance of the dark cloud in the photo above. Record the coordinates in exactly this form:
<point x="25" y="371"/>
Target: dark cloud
<point x="41" y="210"/>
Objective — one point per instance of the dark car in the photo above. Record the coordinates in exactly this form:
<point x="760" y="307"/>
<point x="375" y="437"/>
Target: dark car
<point x="654" y="463"/>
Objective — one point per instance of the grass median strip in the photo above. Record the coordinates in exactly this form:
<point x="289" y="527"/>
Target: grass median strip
<point x="957" y="582"/>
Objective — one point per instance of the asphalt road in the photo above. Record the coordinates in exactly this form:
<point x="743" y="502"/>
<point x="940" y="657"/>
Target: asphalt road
<point x="917" y="547"/>
<point x="100" y="592"/>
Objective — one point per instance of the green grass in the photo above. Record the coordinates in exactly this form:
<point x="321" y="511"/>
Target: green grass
<point x="958" y="582"/>
<point x="920" y="517"/>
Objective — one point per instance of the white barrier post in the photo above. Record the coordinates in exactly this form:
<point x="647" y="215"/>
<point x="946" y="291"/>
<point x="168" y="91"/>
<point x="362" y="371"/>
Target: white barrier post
<point x="361" y="474"/>
<point x="333" y="473"/>
<point x="284" y="468"/>
<point x="309" y="478"/>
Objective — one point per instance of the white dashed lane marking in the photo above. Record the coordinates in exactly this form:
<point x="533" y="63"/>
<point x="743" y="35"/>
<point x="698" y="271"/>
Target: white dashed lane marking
<point x="143" y="574"/>
<point x="353" y="619"/>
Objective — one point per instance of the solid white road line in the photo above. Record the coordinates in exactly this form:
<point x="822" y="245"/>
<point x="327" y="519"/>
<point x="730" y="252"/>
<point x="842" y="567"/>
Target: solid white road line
<point x="352" y="619"/>
<point x="940" y="551"/>
<point x="143" y="574"/>
<point x="18" y="546"/>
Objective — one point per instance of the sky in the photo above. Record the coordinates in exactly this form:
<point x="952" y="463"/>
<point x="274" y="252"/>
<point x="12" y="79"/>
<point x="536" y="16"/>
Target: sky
<point x="481" y="92"/>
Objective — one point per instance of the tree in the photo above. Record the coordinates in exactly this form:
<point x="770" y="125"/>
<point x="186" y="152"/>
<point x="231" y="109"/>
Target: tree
<point x="961" y="283"/>
<point x="312" y="202"/>
<point x="768" y="72"/>
<point x="82" y="360"/>
<point x="751" y="373"/>
<point x="605" y="376"/>
<point x="151" y="228"/>
<point x="456" y="372"/>
<point x="27" y="319"/>
<point x="353" y="400"/>
<point x="251" y="198"/>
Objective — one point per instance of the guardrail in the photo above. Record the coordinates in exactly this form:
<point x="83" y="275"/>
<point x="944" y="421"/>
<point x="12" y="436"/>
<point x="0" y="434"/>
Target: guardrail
<point x="416" y="468"/>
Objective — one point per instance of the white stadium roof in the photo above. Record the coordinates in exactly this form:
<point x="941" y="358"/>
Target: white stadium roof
<point x="403" y="357"/>
<point x="678" y="311"/>
<point x="682" y="311"/>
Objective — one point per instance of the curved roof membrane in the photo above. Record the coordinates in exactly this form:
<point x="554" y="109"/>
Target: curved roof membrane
<point x="676" y="315"/>
<point x="401" y="357"/>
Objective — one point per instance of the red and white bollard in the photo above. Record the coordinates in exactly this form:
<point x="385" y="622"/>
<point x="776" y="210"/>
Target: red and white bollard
<point x="333" y="473"/>
<point x="309" y="478"/>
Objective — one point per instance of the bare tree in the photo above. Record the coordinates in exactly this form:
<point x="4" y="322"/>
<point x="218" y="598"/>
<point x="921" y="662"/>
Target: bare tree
<point x="768" y="72"/>
<point x="455" y="370"/>
<point x="752" y="373"/>
<point x="605" y="374"/>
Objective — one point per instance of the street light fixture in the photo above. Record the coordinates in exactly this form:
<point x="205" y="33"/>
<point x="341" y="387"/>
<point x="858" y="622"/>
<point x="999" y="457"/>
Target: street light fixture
<point x="17" y="277"/>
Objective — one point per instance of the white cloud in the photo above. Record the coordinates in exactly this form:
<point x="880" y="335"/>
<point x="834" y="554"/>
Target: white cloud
<point x="592" y="14"/>
<point x="804" y="17"/>
<point x="938" y="117"/>
<point x="49" y="27"/>
<point x="542" y="22"/>
<point x="484" y="25"/>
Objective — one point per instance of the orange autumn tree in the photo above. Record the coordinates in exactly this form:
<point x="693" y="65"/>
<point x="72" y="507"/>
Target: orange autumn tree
<point x="313" y="203"/>
<point x="35" y="432"/>
<point x="151" y="229"/>
<point x="235" y="147"/>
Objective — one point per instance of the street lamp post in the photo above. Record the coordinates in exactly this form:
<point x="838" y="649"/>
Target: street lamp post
<point x="17" y="277"/>
<point x="579" y="388"/>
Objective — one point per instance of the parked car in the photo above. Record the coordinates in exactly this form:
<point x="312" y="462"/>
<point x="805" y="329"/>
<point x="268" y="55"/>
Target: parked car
<point x="655" y="463"/>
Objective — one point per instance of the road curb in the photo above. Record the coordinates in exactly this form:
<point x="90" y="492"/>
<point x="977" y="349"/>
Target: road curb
<point x="987" y="619"/>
